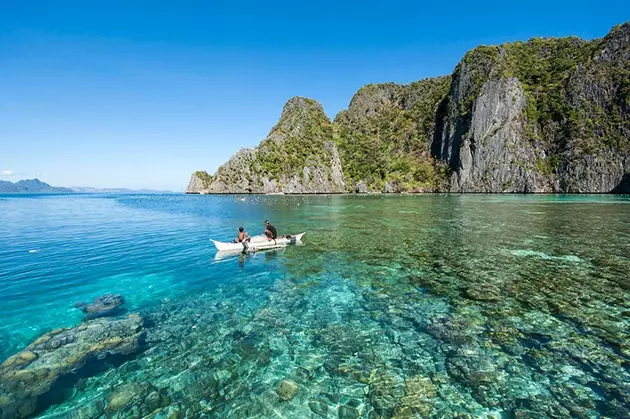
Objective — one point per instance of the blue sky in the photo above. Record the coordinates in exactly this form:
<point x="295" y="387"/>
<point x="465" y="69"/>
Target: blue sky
<point x="141" y="94"/>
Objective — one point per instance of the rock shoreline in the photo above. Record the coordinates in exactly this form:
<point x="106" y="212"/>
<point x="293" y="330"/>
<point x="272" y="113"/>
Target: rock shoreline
<point x="371" y="193"/>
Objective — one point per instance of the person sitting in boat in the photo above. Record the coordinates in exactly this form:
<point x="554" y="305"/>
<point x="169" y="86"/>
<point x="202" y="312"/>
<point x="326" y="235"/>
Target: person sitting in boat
<point x="270" y="231"/>
<point x="242" y="236"/>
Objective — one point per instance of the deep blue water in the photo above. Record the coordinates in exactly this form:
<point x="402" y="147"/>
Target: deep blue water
<point x="395" y="305"/>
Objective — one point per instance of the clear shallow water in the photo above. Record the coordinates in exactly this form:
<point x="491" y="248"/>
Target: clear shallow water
<point x="404" y="305"/>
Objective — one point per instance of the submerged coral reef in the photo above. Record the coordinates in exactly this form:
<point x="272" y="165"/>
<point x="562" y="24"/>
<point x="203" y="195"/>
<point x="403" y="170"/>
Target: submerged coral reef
<point x="333" y="348"/>
<point x="40" y="374"/>
<point x="456" y="310"/>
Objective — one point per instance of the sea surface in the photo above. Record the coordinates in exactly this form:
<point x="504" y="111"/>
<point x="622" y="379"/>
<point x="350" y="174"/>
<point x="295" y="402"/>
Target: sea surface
<point x="408" y="306"/>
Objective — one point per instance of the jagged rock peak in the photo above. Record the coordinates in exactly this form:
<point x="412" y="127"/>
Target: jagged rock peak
<point x="301" y="104"/>
<point x="298" y="156"/>
<point x="296" y="113"/>
<point x="616" y="45"/>
<point x="368" y="99"/>
<point x="372" y="99"/>
<point x="199" y="181"/>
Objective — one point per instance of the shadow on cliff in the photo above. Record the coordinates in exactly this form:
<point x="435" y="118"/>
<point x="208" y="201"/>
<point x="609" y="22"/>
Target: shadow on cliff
<point x="440" y="116"/>
<point x="624" y="185"/>
<point x="448" y="134"/>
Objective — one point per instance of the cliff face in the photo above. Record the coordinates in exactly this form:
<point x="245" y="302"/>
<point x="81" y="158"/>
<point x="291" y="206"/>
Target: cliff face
<point x="547" y="115"/>
<point x="385" y="134"/>
<point x="298" y="156"/>
<point x="484" y="145"/>
<point x="198" y="182"/>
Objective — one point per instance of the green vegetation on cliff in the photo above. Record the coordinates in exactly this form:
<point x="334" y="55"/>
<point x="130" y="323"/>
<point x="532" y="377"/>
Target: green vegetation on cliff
<point x="567" y="128"/>
<point x="296" y="141"/>
<point x="297" y="156"/>
<point x="575" y="97"/>
<point x="205" y="178"/>
<point x="385" y="135"/>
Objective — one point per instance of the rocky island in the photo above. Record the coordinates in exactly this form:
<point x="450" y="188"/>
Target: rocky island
<point x="542" y="116"/>
<point x="31" y="186"/>
<point x="298" y="156"/>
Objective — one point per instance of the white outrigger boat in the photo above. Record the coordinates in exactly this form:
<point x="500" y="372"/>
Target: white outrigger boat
<point x="256" y="243"/>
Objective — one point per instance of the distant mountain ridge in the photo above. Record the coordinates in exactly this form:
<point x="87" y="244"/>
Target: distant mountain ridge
<point x="31" y="186"/>
<point x="37" y="186"/>
<point x="550" y="115"/>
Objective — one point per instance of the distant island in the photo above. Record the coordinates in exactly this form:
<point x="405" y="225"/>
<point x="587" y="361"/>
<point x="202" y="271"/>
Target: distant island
<point x="543" y="116"/>
<point x="31" y="186"/>
<point x="37" y="186"/>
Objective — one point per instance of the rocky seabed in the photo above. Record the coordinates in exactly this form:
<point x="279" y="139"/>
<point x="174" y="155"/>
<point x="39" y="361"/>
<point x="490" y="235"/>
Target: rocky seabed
<point x="327" y="345"/>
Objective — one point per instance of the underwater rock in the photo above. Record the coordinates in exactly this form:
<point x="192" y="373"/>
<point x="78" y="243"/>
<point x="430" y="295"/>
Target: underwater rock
<point x="348" y="412"/>
<point x="385" y="393"/>
<point x="342" y="340"/>
<point x="92" y="409"/>
<point x="58" y="357"/>
<point x="189" y="385"/>
<point x="19" y="359"/>
<point x="483" y="373"/>
<point x="123" y="396"/>
<point x="143" y="397"/>
<point x="105" y="305"/>
<point x="509" y="338"/>
<point x="473" y="368"/>
<point x="539" y="359"/>
<point x="332" y="365"/>
<point x="483" y="292"/>
<point x="528" y="414"/>
<point x="318" y="407"/>
<point x="287" y="389"/>
<point x="419" y="396"/>
<point x="453" y="330"/>
<point x="177" y="411"/>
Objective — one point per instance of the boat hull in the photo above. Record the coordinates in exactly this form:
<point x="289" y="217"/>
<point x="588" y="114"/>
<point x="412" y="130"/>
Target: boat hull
<point x="258" y="243"/>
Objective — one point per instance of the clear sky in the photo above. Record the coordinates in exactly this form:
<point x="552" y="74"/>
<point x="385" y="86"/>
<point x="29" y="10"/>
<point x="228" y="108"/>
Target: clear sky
<point x="142" y="93"/>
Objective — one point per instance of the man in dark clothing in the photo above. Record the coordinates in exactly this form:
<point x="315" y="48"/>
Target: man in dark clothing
<point x="270" y="231"/>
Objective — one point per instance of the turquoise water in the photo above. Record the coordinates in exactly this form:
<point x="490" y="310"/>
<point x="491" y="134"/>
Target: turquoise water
<point x="437" y="305"/>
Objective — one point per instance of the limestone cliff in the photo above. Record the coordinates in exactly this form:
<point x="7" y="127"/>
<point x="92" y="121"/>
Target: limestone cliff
<point x="546" y="115"/>
<point x="298" y="156"/>
<point x="385" y="134"/>
<point x="199" y="181"/>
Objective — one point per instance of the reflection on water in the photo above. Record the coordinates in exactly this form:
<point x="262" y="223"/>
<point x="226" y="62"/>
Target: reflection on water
<point x="242" y="257"/>
<point x="395" y="306"/>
